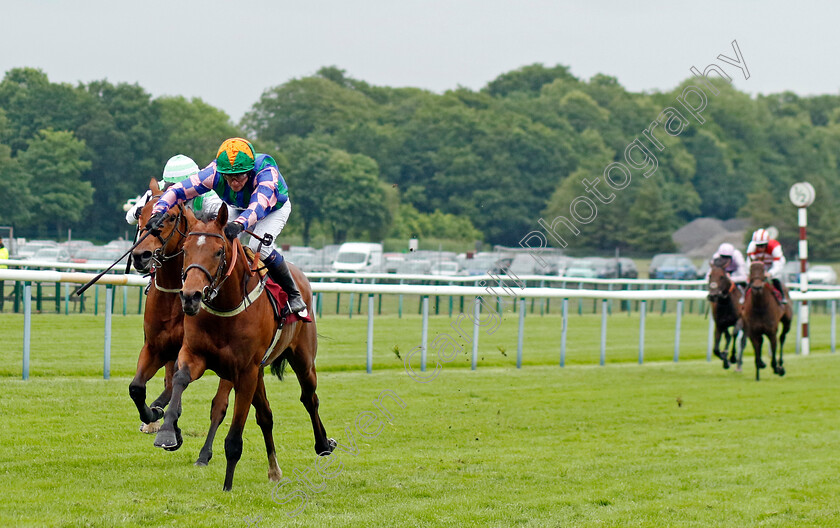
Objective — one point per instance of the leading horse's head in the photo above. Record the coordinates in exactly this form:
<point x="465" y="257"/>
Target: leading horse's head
<point x="719" y="282"/>
<point x="207" y="255"/>
<point x="757" y="277"/>
<point x="165" y="244"/>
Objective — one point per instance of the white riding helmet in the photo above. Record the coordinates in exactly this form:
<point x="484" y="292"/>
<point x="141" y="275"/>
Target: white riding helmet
<point x="761" y="236"/>
<point x="179" y="168"/>
<point x="726" y="250"/>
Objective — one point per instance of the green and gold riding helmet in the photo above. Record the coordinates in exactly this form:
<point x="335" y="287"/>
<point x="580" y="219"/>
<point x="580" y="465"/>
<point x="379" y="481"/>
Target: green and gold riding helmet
<point x="235" y="155"/>
<point x="179" y="168"/>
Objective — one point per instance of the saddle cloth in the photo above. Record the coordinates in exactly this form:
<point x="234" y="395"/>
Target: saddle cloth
<point x="776" y="293"/>
<point x="279" y="298"/>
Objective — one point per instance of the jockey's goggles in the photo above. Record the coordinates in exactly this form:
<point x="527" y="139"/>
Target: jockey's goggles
<point x="237" y="176"/>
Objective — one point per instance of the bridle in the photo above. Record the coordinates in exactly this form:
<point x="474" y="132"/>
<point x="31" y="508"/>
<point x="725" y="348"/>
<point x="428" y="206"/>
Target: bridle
<point x="721" y="293"/>
<point x="158" y="255"/>
<point x="216" y="279"/>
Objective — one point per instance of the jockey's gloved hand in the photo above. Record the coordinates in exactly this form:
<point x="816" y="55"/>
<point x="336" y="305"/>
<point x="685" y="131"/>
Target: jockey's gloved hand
<point x="232" y="230"/>
<point x="137" y="212"/>
<point x="155" y="222"/>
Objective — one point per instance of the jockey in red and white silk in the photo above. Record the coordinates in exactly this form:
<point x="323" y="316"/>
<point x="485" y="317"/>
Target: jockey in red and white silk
<point x="764" y="249"/>
<point x="768" y="251"/>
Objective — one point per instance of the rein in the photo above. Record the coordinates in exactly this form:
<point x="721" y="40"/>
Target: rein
<point x="216" y="280"/>
<point x="158" y="255"/>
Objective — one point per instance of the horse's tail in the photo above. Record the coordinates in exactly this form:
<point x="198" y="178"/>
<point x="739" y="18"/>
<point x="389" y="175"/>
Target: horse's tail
<point x="279" y="367"/>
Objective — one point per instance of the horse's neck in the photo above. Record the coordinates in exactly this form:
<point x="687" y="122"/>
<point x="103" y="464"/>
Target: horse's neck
<point x="762" y="302"/>
<point x="168" y="275"/>
<point x="237" y="285"/>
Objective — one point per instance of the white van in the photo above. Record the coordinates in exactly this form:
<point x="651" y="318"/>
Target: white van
<point x="359" y="257"/>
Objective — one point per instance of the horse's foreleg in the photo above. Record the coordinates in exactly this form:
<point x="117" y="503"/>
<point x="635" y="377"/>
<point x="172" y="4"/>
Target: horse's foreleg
<point x="218" y="408"/>
<point x="147" y="366"/>
<point x="308" y="380"/>
<point x="759" y="364"/>
<point x="786" y="322"/>
<point x="716" y="349"/>
<point x="189" y="369"/>
<point x="771" y="338"/>
<point x="725" y="348"/>
<point x="265" y="420"/>
<point x="245" y="386"/>
<point x="162" y="400"/>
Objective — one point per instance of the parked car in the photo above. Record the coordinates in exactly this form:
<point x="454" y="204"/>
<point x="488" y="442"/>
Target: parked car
<point x="821" y="275"/>
<point x="586" y="268"/>
<point x="392" y="262"/>
<point x="523" y="264"/>
<point x="483" y="263"/>
<point x="446" y="267"/>
<point x="101" y="256"/>
<point x="52" y="254"/>
<point x="790" y="273"/>
<point x="359" y="257"/>
<point x="672" y="266"/>
<point x="414" y="267"/>
<point x="74" y="246"/>
<point x="27" y="250"/>
<point x="627" y="268"/>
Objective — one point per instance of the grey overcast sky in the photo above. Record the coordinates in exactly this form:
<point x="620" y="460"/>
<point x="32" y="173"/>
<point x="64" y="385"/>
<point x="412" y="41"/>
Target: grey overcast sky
<point x="227" y="53"/>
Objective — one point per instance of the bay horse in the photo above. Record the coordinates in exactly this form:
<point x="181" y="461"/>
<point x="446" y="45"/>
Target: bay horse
<point x="231" y="331"/>
<point x="725" y="299"/>
<point x="163" y="320"/>
<point x="762" y="314"/>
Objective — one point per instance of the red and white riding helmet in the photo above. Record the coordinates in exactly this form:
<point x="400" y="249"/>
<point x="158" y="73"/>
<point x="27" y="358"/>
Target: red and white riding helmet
<point x="760" y="237"/>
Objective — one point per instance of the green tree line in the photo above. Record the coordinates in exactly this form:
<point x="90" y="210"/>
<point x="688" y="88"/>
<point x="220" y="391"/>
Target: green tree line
<point x="376" y="162"/>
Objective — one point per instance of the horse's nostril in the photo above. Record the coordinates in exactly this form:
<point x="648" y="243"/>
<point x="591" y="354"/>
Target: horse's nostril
<point x="146" y="255"/>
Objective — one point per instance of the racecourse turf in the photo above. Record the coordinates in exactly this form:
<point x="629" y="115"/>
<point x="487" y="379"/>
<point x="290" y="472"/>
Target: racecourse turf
<point x="660" y="444"/>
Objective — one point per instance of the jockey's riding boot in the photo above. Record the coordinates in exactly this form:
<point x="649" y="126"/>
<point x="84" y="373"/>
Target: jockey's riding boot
<point x="279" y="271"/>
<point x="778" y="285"/>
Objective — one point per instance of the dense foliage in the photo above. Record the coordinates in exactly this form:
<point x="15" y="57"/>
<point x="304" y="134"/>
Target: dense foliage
<point x="376" y="162"/>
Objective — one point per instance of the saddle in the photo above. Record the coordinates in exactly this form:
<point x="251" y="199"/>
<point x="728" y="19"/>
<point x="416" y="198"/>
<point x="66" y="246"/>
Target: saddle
<point x="278" y="298"/>
<point x="776" y="293"/>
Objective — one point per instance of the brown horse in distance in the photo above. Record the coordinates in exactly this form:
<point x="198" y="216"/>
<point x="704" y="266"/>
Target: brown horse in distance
<point x="163" y="319"/>
<point x="725" y="299"/>
<point x="762" y="314"/>
<point x="235" y="344"/>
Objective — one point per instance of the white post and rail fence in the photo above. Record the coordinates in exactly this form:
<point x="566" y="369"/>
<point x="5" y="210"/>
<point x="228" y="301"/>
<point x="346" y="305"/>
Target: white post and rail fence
<point x="425" y="291"/>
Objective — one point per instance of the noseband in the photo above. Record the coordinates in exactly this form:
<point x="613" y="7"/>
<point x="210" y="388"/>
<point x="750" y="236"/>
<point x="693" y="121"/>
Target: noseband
<point x="216" y="280"/>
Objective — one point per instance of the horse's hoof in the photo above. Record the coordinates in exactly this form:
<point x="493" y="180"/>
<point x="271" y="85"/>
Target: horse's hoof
<point x="203" y="460"/>
<point x="738" y="369"/>
<point x="275" y="474"/>
<point x="168" y="440"/>
<point x="761" y="364"/>
<point x="717" y="354"/>
<point x="150" y="428"/>
<point x="781" y="371"/>
<point x="726" y="366"/>
<point x="331" y="444"/>
<point x="158" y="413"/>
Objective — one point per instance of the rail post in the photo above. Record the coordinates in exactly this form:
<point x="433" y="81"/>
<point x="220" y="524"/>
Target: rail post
<point x="521" y="338"/>
<point x="642" y="312"/>
<point x="370" y="335"/>
<point x="425" y="332"/>
<point x="677" y="331"/>
<point x="603" y="332"/>
<point x="27" y="327"/>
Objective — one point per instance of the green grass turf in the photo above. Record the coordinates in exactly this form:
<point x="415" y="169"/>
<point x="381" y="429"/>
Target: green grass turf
<point x="661" y="444"/>
<point x="73" y="345"/>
